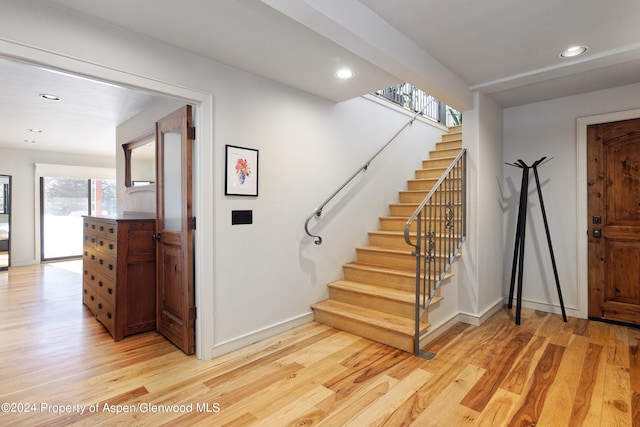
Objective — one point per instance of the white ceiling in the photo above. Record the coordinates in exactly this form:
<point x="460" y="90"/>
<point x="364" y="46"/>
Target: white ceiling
<point x="506" y="49"/>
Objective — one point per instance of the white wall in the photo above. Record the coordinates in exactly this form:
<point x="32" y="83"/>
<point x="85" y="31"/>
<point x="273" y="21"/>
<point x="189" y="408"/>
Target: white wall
<point x="549" y="129"/>
<point x="20" y="164"/>
<point x="252" y="280"/>
<point x="480" y="267"/>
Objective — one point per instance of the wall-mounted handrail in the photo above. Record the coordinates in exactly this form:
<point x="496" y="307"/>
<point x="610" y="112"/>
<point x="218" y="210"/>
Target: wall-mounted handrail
<point x="439" y="225"/>
<point x="318" y="211"/>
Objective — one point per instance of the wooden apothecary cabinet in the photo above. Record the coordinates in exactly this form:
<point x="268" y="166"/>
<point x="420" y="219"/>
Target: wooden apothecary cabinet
<point x="119" y="272"/>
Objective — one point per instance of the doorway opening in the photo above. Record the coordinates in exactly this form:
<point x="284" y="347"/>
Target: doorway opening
<point x="203" y="158"/>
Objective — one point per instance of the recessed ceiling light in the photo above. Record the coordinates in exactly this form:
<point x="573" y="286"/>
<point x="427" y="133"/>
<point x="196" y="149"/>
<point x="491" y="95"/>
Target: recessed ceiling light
<point x="50" y="97"/>
<point x="344" y="74"/>
<point x="30" y="141"/>
<point x="35" y="130"/>
<point x="573" y="51"/>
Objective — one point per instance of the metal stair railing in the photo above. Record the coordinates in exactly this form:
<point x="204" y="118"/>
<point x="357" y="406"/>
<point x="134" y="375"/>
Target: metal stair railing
<point x="439" y="228"/>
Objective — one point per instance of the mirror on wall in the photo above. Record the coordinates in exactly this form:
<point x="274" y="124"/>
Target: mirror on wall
<point x="5" y="221"/>
<point x="140" y="162"/>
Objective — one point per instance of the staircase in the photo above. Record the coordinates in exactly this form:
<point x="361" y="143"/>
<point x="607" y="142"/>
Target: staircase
<point x="376" y="298"/>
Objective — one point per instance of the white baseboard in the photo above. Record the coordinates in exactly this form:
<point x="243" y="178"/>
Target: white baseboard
<point x="551" y="308"/>
<point x="259" y="335"/>
<point x="472" y="319"/>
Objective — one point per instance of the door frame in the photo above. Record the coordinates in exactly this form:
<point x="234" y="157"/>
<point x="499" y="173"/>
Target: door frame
<point x="582" y="223"/>
<point x="203" y="158"/>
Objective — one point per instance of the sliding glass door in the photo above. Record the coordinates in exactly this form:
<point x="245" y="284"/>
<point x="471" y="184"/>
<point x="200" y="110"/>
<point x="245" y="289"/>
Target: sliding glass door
<point x="63" y="201"/>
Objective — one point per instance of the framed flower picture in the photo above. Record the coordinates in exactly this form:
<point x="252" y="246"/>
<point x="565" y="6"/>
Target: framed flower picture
<point x="241" y="165"/>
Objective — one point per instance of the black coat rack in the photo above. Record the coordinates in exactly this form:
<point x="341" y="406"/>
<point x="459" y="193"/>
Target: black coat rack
<point x="518" y="251"/>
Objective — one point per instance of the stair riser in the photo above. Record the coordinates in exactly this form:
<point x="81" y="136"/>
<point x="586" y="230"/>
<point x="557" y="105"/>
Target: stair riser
<point x="391" y="260"/>
<point x="428" y="184"/>
<point x="380" y="278"/>
<point x="384" y="305"/>
<point x="402" y="210"/>
<point x="417" y="196"/>
<point x="371" y="332"/>
<point x="398" y="224"/>
<point x="448" y="143"/>
<point x="435" y="173"/>
<point x="437" y="163"/>
<point x="398" y="242"/>
<point x="408" y="210"/>
<point x="452" y="136"/>
<point x="438" y="154"/>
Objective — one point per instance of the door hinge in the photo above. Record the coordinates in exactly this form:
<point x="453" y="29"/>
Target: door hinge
<point x="191" y="132"/>
<point x="193" y="313"/>
<point x="192" y="223"/>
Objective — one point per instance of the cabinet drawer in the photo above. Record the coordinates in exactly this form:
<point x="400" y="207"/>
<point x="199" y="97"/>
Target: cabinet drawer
<point x="102" y="228"/>
<point x="105" y="290"/>
<point x="89" y="257"/>
<point x="106" y="246"/>
<point x="89" y="240"/>
<point x="106" y="315"/>
<point x="89" y="296"/>
<point x="106" y="266"/>
<point x="89" y="276"/>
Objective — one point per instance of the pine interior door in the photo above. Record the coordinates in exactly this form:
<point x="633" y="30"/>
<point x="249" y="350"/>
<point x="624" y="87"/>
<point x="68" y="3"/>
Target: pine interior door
<point x="613" y="183"/>
<point x="174" y="229"/>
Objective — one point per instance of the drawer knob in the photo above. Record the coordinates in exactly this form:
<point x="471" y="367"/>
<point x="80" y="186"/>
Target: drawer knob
<point x="92" y="298"/>
<point x="110" y="266"/>
<point x="100" y="283"/>
<point x="109" y="290"/>
<point x="109" y="315"/>
<point x="100" y="306"/>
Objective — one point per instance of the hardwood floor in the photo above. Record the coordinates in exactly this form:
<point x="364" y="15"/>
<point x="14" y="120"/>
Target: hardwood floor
<point x="56" y="361"/>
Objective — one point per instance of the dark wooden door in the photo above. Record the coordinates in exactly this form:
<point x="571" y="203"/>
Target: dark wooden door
<point x="174" y="225"/>
<point x="613" y="186"/>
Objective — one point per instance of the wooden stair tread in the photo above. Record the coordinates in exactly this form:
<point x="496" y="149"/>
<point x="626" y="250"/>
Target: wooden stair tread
<point x="375" y="290"/>
<point x="409" y="273"/>
<point x="385" y="250"/>
<point x="416" y="204"/>
<point x="412" y="233"/>
<point x="372" y="267"/>
<point x="391" y="322"/>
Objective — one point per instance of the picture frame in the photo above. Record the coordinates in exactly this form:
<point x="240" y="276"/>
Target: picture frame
<point x="241" y="169"/>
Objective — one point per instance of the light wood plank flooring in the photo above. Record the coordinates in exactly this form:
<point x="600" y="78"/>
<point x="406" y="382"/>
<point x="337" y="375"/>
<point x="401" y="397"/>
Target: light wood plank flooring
<point x="55" y="358"/>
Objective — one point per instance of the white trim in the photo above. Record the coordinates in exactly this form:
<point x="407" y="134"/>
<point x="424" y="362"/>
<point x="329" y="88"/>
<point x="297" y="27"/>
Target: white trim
<point x="261" y="334"/>
<point x="582" y="223"/>
<point x="471" y="319"/>
<point x="203" y="155"/>
<point x="68" y="171"/>
<point x="477" y="320"/>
